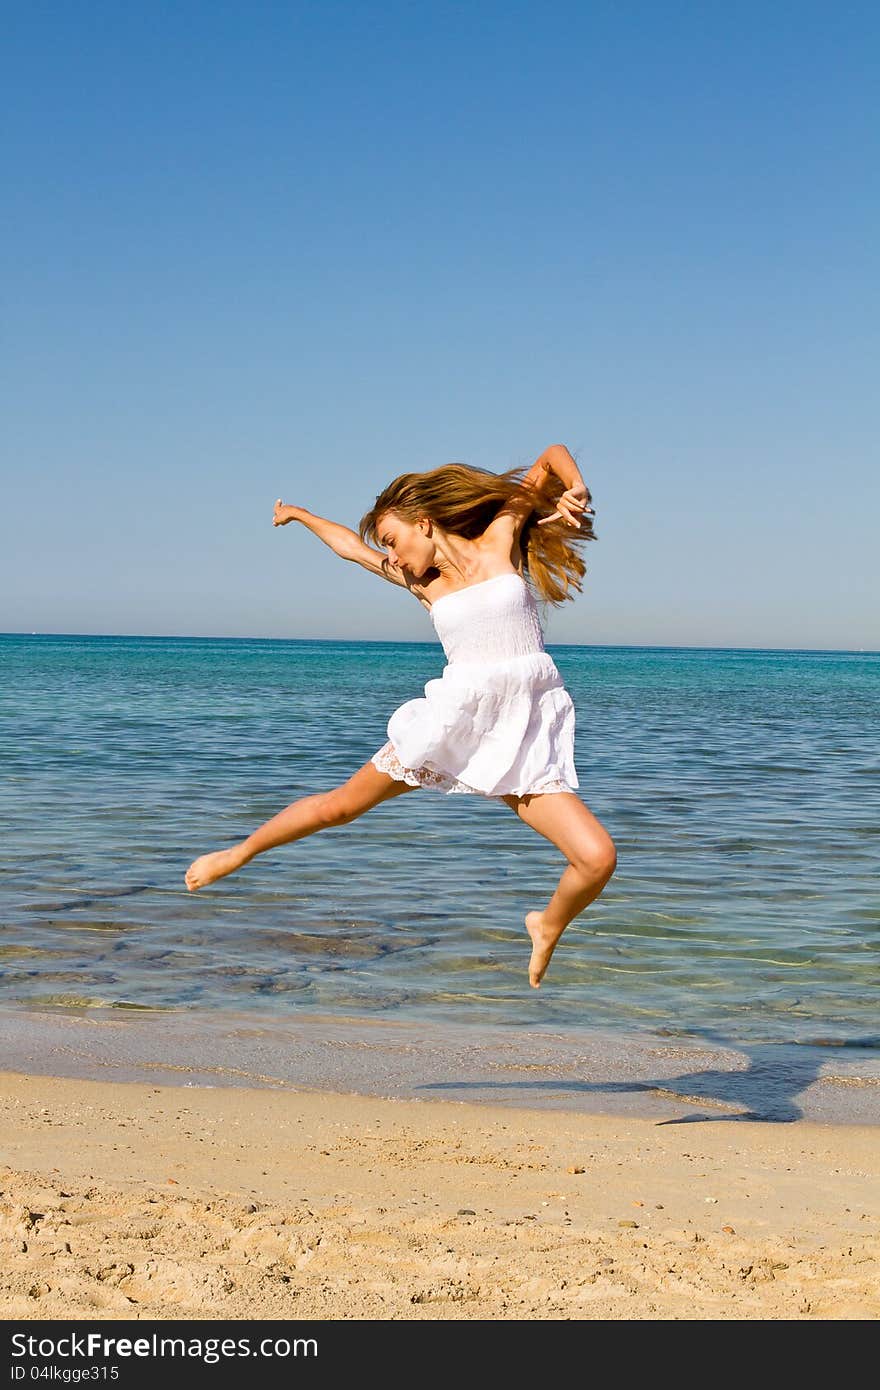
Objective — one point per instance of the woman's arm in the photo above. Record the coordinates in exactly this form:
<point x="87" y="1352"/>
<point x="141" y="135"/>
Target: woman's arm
<point x="559" y="461"/>
<point x="341" y="539"/>
<point x="509" y="520"/>
<point x="574" y="502"/>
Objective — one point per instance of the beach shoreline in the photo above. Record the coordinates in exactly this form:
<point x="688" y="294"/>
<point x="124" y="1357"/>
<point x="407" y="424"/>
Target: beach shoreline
<point x="652" y="1075"/>
<point x="141" y="1200"/>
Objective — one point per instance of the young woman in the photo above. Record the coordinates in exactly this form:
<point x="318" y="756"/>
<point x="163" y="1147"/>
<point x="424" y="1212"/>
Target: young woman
<point x="499" y="723"/>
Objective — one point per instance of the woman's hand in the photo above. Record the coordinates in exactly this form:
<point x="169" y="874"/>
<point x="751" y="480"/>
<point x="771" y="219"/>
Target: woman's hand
<point x="572" y="506"/>
<point x="283" y="514"/>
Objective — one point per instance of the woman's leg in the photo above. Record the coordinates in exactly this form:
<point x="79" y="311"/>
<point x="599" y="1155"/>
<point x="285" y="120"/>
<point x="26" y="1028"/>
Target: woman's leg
<point x="367" y="788"/>
<point x="563" y="818"/>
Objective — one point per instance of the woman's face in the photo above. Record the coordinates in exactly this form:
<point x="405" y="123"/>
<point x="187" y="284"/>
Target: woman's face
<point x="407" y="544"/>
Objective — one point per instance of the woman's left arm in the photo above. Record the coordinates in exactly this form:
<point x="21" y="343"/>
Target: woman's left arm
<point x="574" y="502"/>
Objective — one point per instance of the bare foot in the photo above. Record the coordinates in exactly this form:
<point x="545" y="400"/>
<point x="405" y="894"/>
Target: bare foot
<point x="212" y="866"/>
<point x="544" y="940"/>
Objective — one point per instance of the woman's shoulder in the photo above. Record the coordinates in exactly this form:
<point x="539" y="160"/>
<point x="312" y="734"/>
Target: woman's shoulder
<point x="501" y="551"/>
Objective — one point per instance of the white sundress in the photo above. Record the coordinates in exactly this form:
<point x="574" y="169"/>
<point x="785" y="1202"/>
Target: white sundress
<point x="499" y="720"/>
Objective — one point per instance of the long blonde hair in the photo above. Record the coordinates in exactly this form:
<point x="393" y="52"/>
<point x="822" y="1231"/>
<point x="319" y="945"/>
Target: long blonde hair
<point x="463" y="500"/>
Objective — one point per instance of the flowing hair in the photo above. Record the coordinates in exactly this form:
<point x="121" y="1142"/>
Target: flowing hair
<point x="464" y="500"/>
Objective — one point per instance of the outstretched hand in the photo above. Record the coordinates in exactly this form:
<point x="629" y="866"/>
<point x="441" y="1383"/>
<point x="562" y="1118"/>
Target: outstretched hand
<point x="572" y="506"/>
<point x="282" y="514"/>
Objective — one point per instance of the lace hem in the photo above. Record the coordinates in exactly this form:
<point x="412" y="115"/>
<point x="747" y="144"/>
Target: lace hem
<point x="386" y="760"/>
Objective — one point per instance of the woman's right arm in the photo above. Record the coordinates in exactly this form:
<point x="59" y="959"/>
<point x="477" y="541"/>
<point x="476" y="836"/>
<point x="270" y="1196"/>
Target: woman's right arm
<point x="342" y="539"/>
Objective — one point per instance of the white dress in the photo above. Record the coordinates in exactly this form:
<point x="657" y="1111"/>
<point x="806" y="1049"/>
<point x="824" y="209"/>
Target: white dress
<point x="499" y="720"/>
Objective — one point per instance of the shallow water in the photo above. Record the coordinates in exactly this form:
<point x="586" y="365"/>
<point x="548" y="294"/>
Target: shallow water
<point x="742" y="789"/>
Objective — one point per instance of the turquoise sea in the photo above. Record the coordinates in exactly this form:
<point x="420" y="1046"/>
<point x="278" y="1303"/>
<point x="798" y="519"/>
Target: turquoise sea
<point x="742" y="789"/>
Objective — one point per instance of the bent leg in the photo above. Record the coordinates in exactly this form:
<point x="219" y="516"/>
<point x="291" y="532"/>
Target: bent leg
<point x="562" y="818"/>
<point x="368" y="787"/>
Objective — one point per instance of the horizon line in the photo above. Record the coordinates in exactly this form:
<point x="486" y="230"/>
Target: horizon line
<point x="414" y="642"/>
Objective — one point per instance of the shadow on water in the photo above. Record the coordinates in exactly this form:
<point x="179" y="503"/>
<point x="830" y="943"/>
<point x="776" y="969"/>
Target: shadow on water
<point x="766" y="1088"/>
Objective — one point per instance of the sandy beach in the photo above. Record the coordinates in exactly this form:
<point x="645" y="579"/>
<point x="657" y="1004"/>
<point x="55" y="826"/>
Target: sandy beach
<point x="131" y="1200"/>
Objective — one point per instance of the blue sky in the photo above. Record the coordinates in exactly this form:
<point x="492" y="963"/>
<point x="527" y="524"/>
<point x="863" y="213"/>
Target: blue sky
<point x="260" y="250"/>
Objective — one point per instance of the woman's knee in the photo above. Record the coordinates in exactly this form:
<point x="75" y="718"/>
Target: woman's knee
<point x="336" y="807"/>
<point x="596" y="856"/>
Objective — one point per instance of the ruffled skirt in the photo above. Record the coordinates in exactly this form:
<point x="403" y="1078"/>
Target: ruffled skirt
<point x="492" y="729"/>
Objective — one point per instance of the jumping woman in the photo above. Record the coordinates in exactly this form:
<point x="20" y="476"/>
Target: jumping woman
<point x="499" y="722"/>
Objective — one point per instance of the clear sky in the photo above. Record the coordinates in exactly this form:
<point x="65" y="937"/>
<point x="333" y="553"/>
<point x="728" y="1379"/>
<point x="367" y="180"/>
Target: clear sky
<point x="293" y="249"/>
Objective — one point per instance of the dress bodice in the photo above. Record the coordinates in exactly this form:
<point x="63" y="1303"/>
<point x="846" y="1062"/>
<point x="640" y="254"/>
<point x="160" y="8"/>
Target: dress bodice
<point x="499" y="720"/>
<point x="491" y="621"/>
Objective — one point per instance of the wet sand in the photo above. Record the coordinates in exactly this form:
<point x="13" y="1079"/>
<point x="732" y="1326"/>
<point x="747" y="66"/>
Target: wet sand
<point x="672" y="1075"/>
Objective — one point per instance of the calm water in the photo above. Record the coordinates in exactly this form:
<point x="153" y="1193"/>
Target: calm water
<point x="742" y="789"/>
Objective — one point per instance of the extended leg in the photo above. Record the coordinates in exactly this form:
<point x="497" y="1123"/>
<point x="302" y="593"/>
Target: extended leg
<point x="367" y="788"/>
<point x="592" y="858"/>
